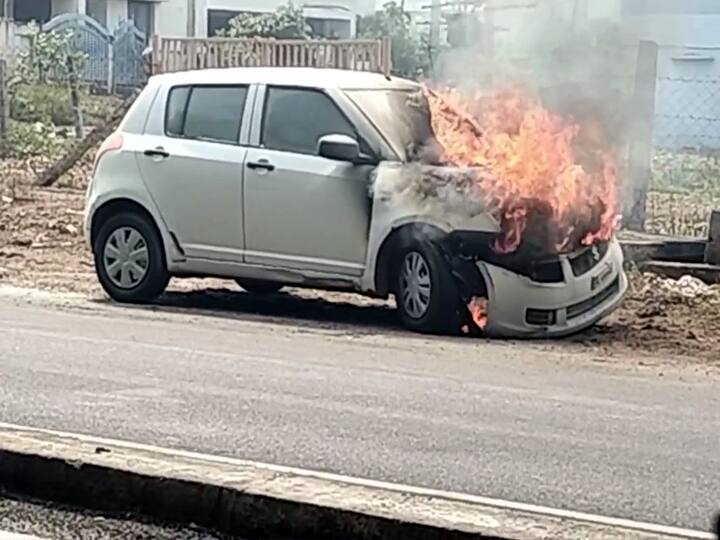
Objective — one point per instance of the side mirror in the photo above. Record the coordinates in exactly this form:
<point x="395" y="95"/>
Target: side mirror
<point x="339" y="147"/>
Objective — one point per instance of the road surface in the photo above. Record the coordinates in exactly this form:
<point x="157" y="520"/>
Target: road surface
<point x="23" y="520"/>
<point x="503" y="420"/>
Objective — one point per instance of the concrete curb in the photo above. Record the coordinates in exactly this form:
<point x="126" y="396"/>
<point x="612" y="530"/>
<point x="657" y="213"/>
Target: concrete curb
<point x="258" y="500"/>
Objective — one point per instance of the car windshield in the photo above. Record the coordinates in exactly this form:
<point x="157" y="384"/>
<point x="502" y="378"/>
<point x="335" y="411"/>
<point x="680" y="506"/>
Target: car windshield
<point x="401" y="116"/>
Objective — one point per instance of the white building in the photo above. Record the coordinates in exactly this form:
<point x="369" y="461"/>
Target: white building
<point x="189" y="17"/>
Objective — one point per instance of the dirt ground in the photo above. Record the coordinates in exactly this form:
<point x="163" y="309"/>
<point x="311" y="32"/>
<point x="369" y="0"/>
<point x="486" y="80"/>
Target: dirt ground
<point x="41" y="246"/>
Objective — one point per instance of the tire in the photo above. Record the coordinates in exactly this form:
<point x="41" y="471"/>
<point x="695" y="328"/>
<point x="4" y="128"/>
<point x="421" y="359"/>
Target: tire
<point x="257" y="286"/>
<point x="441" y="314"/>
<point x="123" y="232"/>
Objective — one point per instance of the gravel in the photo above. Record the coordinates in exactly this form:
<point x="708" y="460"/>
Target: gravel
<point x="58" y="523"/>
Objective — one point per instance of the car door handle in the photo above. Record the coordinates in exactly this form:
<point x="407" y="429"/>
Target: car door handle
<point x="263" y="164"/>
<point x="157" y="152"/>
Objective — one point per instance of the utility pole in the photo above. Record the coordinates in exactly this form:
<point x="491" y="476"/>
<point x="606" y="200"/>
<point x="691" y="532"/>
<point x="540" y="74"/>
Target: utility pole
<point x="435" y="22"/>
<point x="191" y="18"/>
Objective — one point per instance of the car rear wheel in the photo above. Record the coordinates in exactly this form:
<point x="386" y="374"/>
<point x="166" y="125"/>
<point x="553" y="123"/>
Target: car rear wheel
<point x="257" y="286"/>
<point x="129" y="259"/>
<point x="425" y="292"/>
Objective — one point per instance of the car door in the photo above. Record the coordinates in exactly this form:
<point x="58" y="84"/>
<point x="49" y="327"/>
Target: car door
<point x="193" y="168"/>
<point x="303" y="211"/>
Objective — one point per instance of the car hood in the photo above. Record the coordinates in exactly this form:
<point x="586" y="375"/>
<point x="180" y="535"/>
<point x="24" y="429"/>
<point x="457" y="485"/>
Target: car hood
<point x="446" y="197"/>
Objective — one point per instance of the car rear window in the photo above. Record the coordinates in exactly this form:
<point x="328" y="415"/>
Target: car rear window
<point x="212" y="113"/>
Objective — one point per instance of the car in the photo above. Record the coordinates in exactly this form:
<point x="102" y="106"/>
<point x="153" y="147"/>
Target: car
<point x="269" y="177"/>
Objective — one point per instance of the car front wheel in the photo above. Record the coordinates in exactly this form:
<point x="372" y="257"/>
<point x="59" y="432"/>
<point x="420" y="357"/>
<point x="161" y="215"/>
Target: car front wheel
<point x="129" y="259"/>
<point x="425" y="292"/>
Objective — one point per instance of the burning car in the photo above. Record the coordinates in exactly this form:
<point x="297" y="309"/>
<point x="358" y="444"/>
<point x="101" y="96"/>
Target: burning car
<point x="491" y="219"/>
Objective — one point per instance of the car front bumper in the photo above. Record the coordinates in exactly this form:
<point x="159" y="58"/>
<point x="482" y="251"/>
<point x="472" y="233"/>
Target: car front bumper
<point x="520" y="307"/>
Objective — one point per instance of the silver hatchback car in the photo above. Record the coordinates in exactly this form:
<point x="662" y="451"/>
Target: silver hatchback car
<point x="268" y="176"/>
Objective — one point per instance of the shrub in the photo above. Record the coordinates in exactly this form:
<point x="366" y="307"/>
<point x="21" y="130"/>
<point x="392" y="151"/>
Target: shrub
<point x="34" y="139"/>
<point x="45" y="103"/>
<point x="286" y="22"/>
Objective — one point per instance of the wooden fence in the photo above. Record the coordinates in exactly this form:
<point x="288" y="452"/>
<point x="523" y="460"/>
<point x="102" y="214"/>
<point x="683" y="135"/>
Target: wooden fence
<point x="181" y="54"/>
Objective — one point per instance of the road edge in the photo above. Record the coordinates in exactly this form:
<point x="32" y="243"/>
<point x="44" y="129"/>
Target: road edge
<point x="259" y="500"/>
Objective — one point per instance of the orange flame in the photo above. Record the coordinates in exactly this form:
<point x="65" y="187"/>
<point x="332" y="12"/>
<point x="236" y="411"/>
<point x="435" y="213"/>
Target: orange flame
<point x="539" y="165"/>
<point x="478" y="308"/>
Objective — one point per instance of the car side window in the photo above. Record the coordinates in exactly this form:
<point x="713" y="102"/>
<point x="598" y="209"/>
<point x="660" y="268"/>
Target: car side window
<point x="206" y="112"/>
<point x="295" y="119"/>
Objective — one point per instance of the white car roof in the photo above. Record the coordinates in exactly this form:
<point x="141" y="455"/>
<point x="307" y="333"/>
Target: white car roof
<point x="301" y="77"/>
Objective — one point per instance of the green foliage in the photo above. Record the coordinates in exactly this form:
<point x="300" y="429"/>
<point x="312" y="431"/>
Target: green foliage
<point x="27" y="139"/>
<point x="47" y="58"/>
<point x="407" y="49"/>
<point x="286" y="22"/>
<point x="41" y="103"/>
<point x="50" y="104"/>
<point x="685" y="190"/>
<point x="686" y="172"/>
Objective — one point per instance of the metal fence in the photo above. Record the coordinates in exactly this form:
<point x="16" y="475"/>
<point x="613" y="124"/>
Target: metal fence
<point x="687" y="98"/>
<point x="687" y="113"/>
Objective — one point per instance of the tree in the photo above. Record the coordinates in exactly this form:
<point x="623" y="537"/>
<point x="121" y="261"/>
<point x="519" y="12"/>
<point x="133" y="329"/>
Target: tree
<point x="286" y="22"/>
<point x="393" y="21"/>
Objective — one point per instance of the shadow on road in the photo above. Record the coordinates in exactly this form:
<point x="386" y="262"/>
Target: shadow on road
<point x="309" y="309"/>
<point x="293" y="308"/>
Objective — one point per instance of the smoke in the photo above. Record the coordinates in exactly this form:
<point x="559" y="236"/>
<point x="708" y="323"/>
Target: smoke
<point x="576" y="55"/>
<point x="431" y="189"/>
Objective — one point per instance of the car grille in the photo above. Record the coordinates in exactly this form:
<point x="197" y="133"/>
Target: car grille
<point x="548" y="271"/>
<point x="524" y="261"/>
<point x="581" y="308"/>
<point x="582" y="263"/>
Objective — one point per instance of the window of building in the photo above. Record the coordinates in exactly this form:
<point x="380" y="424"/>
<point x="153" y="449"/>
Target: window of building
<point x="211" y="113"/>
<point x="36" y="10"/>
<point x="97" y="9"/>
<point x="142" y="14"/>
<point x="296" y="119"/>
<point x="330" y="28"/>
<point x="218" y="19"/>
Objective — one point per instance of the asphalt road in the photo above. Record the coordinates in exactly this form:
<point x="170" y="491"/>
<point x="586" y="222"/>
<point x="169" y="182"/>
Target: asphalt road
<point x="25" y="520"/>
<point x="502" y="420"/>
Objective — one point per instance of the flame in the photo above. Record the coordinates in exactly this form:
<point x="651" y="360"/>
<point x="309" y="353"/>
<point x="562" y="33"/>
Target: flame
<point x="478" y="308"/>
<point x="541" y="171"/>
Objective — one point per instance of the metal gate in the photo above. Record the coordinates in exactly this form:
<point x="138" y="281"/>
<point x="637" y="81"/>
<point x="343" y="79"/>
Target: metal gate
<point x="113" y="59"/>
<point x="91" y="38"/>
<point x="128" y="65"/>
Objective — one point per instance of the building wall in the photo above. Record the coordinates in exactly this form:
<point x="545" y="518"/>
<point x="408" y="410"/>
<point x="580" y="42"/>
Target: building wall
<point x="324" y="9"/>
<point x="109" y="13"/>
<point x="171" y="18"/>
<point x="687" y="107"/>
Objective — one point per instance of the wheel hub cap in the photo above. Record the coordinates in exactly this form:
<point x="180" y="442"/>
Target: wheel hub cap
<point x="126" y="258"/>
<point x="415" y="285"/>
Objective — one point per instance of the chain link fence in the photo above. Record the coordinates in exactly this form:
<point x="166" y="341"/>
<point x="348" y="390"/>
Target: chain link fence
<point x="686" y="139"/>
<point x="687" y="113"/>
